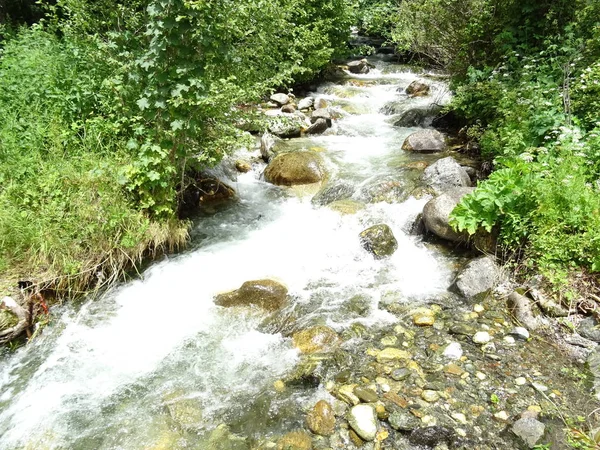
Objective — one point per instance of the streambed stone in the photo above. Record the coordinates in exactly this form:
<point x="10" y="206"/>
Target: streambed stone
<point x="340" y="190"/>
<point x="379" y="240"/>
<point x="267" y="294"/>
<point x="360" y="66"/>
<point x="296" y="440"/>
<point x="363" y="420"/>
<point x="295" y="168"/>
<point x="425" y="141"/>
<point x="280" y="98"/>
<point x="321" y="419"/>
<point x="316" y="339"/>
<point x="478" y="277"/>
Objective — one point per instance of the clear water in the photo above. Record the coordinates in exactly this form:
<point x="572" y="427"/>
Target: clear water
<point x="103" y="373"/>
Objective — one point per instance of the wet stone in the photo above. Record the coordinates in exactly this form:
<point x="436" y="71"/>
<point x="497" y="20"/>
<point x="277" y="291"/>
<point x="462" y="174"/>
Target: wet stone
<point x="430" y="396"/>
<point x="403" y="421"/>
<point x="379" y="241"/>
<point x="366" y="395"/>
<point x="316" y="339"/>
<point x="401" y="374"/>
<point x="297" y="440"/>
<point x="392" y="354"/>
<point x="321" y="419"/>
<point x="431" y="436"/>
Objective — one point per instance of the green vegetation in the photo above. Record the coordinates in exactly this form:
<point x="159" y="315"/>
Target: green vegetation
<point x="108" y="106"/>
<point x="527" y="82"/>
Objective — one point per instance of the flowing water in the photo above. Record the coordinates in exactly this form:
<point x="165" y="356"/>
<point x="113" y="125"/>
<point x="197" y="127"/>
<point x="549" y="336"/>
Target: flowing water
<point x="116" y="372"/>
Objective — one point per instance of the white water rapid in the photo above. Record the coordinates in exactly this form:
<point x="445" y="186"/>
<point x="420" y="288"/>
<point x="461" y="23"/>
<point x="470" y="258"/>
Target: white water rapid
<point x="101" y="374"/>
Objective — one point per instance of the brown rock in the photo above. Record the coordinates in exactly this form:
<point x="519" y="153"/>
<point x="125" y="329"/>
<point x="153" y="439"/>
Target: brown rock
<point x="321" y="419"/>
<point x="266" y="294"/>
<point x="316" y="339"/>
<point x="243" y="166"/>
<point x="296" y="440"/>
<point x="417" y="89"/>
<point x="290" y="169"/>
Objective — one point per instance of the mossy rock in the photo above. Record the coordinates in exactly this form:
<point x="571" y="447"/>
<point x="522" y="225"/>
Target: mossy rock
<point x="266" y="294"/>
<point x="294" y="168"/>
<point x="296" y="440"/>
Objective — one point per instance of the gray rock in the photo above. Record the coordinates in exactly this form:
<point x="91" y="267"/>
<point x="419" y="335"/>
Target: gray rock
<point x="267" y="144"/>
<point x="425" y="141"/>
<point x="379" y="241"/>
<point x="360" y="66"/>
<point x="280" y="99"/>
<point x="321" y="113"/>
<point x="294" y="168"/>
<point x="413" y="117"/>
<point x="478" y="276"/>
<point x="453" y="351"/>
<point x="402" y="421"/>
<point x="530" y="430"/>
<point x="306" y="103"/>
<point x="332" y="193"/>
<point x="385" y="189"/>
<point x="482" y="337"/>
<point x="363" y="420"/>
<point x="436" y="214"/>
<point x="593" y="364"/>
<point x="401" y="374"/>
<point x="520" y="333"/>
<point x="318" y="127"/>
<point x="444" y="174"/>
<point x="288" y="108"/>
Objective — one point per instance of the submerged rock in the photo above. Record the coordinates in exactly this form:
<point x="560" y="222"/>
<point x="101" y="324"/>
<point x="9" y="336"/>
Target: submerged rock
<point x="223" y="439"/>
<point x="379" y="241"/>
<point x="205" y="191"/>
<point x="295" y="168"/>
<point x="478" y="277"/>
<point x="333" y="192"/>
<point x="346" y="206"/>
<point x="296" y="440"/>
<point x="266" y="294"/>
<point x="425" y="141"/>
<point x="316" y="339"/>
<point x="186" y="413"/>
<point x="444" y="174"/>
<point x="436" y="214"/>
<point x="321" y="419"/>
<point x="417" y="89"/>
<point x="363" y="420"/>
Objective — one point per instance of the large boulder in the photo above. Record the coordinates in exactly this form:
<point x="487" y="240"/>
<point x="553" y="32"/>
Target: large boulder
<point x="444" y="174"/>
<point x="425" y="141"/>
<point x="333" y="192"/>
<point x="414" y="117"/>
<point x="417" y="89"/>
<point x="436" y="214"/>
<point x="294" y="168"/>
<point x="478" y="277"/>
<point x="280" y="98"/>
<point x="379" y="241"/>
<point x="321" y="113"/>
<point x="361" y="66"/>
<point x="266" y="294"/>
<point x="317" y="339"/>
